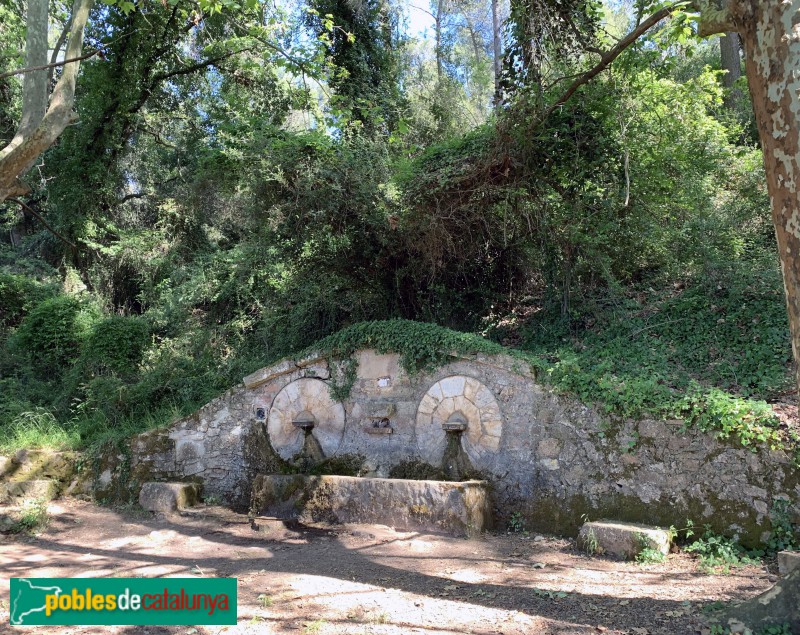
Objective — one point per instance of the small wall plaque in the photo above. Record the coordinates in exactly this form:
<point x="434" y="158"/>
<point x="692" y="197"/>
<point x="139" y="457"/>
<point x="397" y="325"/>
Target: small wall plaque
<point x="384" y="382"/>
<point x="379" y="426"/>
<point x="372" y="430"/>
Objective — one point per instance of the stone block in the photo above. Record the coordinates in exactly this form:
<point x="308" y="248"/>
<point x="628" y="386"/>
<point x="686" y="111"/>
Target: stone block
<point x="624" y="540"/>
<point x="168" y="497"/>
<point x="456" y="508"/>
<point x="43" y="489"/>
<point x="788" y="561"/>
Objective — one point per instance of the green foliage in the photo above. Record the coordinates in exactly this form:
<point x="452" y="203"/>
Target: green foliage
<point x="648" y="554"/>
<point x="52" y="333"/>
<point x="783" y="535"/>
<point x="343" y="377"/>
<point x="718" y="554"/>
<point x="36" y="428"/>
<point x="223" y="222"/>
<point x="18" y="294"/>
<point x="656" y="353"/>
<point x="363" y="51"/>
<point x="421" y="346"/>
<point x="516" y="523"/>
<point x="752" y="423"/>
<point x="115" y="345"/>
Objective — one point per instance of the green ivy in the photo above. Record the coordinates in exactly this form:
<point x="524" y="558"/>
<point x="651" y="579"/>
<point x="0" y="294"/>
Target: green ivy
<point x="421" y="345"/>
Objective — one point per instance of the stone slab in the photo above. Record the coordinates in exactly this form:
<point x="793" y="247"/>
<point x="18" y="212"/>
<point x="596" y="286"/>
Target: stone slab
<point x="788" y="561"/>
<point x="457" y="508"/>
<point x="43" y="489"/>
<point x="624" y="540"/>
<point x="168" y="497"/>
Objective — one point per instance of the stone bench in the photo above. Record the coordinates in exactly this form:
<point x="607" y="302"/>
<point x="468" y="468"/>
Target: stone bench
<point x="168" y="497"/>
<point x="624" y="540"/>
<point x="457" y="508"/>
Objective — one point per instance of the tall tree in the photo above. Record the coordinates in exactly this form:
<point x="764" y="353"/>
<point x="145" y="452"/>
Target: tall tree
<point x="772" y="59"/>
<point x="496" y="48"/>
<point x="42" y="122"/>
<point x="363" y="49"/>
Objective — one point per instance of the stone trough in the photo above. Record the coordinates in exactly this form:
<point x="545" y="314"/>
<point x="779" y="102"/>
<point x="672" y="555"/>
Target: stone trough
<point x="460" y="509"/>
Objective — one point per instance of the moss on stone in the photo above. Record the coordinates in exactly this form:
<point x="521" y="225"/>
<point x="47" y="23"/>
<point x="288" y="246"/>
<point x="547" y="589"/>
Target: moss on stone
<point x="418" y="470"/>
<point x="344" y="465"/>
<point x="547" y="513"/>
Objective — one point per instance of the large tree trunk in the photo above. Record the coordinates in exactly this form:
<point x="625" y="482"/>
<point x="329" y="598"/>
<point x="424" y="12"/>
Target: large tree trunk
<point x="775" y="607"/>
<point x="34" y="85"/>
<point x="33" y="139"/>
<point x="772" y="61"/>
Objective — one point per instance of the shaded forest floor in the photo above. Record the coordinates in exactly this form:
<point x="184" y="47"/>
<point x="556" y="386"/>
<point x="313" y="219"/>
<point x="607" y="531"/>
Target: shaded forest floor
<point x="373" y="580"/>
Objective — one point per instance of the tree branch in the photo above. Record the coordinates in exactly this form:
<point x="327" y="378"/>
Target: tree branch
<point x="186" y="70"/>
<point x="19" y="155"/>
<point x="38" y="216"/>
<point x="62" y="38"/>
<point x="609" y="56"/>
<point x="44" y="67"/>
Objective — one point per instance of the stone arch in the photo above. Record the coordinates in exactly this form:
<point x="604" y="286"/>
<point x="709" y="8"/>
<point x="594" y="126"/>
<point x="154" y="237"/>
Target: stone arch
<point x="458" y="398"/>
<point x="306" y="395"/>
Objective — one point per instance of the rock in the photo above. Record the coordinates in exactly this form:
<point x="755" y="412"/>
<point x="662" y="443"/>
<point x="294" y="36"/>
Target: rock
<point x="168" y="497"/>
<point x="43" y="489"/>
<point x="788" y="561"/>
<point x="624" y="540"/>
<point x="461" y="509"/>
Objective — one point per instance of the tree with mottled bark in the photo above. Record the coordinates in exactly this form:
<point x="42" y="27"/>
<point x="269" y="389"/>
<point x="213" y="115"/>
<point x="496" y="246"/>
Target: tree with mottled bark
<point x="771" y="45"/>
<point x="44" y="117"/>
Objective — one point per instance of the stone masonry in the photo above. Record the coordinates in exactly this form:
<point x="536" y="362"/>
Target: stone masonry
<point x="549" y="457"/>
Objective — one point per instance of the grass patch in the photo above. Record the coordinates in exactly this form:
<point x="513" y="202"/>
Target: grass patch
<point x="37" y="429"/>
<point x="32" y="518"/>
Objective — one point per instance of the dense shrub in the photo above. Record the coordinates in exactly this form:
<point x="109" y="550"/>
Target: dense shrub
<point x="18" y="294"/>
<point x="115" y="345"/>
<point x="52" y="333"/>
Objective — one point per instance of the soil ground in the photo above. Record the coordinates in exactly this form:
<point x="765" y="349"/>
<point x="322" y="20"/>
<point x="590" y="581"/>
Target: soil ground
<point x="372" y="580"/>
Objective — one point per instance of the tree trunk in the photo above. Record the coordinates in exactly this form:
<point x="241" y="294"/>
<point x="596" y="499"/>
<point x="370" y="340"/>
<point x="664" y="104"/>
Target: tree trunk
<point x="439" y="51"/>
<point x="731" y="63"/>
<point x="498" y="52"/>
<point x="772" y="60"/>
<point x="34" y="85"/>
<point x="20" y="155"/>
<point x="775" y="607"/>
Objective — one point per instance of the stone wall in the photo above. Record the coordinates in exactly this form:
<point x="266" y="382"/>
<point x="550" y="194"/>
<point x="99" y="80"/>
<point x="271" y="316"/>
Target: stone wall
<point x="548" y="457"/>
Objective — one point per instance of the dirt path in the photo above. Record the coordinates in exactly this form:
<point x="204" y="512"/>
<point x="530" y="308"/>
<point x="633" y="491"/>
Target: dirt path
<point x="372" y="580"/>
